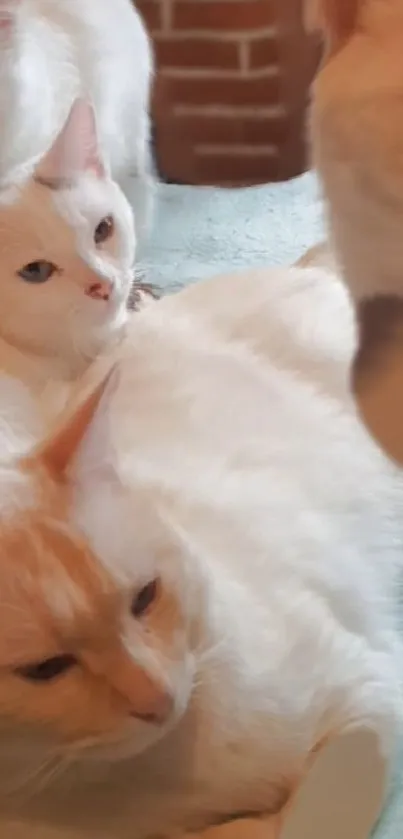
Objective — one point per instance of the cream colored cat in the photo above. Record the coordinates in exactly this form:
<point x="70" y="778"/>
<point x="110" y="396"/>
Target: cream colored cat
<point x="198" y="573"/>
<point x="357" y="131"/>
<point x="67" y="248"/>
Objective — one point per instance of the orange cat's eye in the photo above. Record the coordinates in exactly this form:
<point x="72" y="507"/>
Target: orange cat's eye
<point x="104" y="230"/>
<point x="47" y="670"/>
<point x="144" y="599"/>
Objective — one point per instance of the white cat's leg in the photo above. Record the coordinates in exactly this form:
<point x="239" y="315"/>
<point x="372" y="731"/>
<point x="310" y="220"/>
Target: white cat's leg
<point x="9" y="74"/>
<point x="25" y="102"/>
<point x="342" y="795"/>
<point x="138" y="181"/>
<point x="139" y="189"/>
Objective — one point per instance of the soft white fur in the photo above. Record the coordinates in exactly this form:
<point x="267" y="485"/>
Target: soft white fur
<point x="52" y="51"/>
<point x="229" y="433"/>
<point x="49" y="332"/>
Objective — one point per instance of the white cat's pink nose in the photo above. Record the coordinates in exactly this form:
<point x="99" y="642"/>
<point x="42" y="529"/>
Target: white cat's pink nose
<point x="100" y="290"/>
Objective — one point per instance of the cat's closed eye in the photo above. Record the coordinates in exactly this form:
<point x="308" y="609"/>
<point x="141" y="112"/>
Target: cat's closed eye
<point x="144" y="599"/>
<point x="37" y="272"/>
<point x="104" y="230"/>
<point x="48" y="669"/>
<point x="51" y="668"/>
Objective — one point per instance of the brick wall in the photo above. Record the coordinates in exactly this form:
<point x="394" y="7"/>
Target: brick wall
<point x="231" y="88"/>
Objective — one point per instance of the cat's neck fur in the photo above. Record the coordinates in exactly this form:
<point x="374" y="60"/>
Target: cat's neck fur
<point x="50" y="379"/>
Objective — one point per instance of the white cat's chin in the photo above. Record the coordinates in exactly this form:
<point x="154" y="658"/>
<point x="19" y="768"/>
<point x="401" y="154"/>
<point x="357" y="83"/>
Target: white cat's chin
<point x="108" y="329"/>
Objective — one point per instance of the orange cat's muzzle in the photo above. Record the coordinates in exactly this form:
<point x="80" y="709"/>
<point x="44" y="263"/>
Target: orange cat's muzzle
<point x="147" y="699"/>
<point x="138" y="693"/>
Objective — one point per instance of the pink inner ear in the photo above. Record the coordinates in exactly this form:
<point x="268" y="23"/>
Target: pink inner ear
<point x="75" y="150"/>
<point x="8" y="12"/>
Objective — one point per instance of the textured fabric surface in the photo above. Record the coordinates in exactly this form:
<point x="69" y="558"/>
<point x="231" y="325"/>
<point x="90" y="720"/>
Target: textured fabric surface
<point x="200" y="231"/>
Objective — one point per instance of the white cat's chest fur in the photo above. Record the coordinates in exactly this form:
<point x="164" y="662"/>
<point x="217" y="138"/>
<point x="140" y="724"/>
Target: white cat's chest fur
<point x="51" y="378"/>
<point x="48" y="379"/>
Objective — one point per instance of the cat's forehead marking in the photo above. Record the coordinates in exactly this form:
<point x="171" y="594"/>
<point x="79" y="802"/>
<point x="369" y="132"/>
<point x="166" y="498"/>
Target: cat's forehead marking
<point x="50" y="587"/>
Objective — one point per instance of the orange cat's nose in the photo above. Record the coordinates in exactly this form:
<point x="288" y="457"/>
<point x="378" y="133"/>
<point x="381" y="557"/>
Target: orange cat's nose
<point x="159" y="711"/>
<point x="101" y="290"/>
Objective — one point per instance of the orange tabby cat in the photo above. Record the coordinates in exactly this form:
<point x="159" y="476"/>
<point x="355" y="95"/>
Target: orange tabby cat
<point x="58" y="581"/>
<point x="233" y="606"/>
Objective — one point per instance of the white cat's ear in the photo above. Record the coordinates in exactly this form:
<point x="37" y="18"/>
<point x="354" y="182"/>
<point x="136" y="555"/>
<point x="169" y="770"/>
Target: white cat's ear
<point x="75" y="150"/>
<point x="58" y="451"/>
<point x="8" y="14"/>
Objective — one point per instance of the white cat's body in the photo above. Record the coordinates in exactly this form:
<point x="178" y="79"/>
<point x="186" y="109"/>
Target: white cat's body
<point x="230" y="425"/>
<point x="51" y="52"/>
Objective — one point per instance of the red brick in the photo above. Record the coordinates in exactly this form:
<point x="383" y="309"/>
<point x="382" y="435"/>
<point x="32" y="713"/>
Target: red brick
<point x="223" y="15"/>
<point x="218" y="91"/>
<point x="263" y="52"/>
<point x="196" y="52"/>
<point x="217" y="169"/>
<point x="150" y="11"/>
<point x="233" y="129"/>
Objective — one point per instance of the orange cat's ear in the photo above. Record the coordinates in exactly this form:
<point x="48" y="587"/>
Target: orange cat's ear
<point x="335" y="18"/>
<point x="59" y="450"/>
<point x="75" y="149"/>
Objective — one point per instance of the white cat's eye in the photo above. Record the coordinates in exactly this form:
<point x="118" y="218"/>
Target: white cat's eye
<point x="37" y="272"/>
<point x="104" y="230"/>
<point x="144" y="598"/>
<point x="48" y="669"/>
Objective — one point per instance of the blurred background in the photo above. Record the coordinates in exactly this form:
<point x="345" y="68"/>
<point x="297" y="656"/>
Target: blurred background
<point x="231" y="89"/>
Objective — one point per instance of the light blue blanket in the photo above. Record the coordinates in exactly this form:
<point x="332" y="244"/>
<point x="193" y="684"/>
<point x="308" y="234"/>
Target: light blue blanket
<point x="199" y="232"/>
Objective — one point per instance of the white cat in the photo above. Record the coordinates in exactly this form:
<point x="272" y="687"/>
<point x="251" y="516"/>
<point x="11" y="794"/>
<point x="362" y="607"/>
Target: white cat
<point x="51" y="52"/>
<point x="250" y="540"/>
<point x="67" y="247"/>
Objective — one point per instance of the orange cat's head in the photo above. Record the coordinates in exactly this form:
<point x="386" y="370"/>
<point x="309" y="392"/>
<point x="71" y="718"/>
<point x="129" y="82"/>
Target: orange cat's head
<point x="357" y="133"/>
<point x="91" y="661"/>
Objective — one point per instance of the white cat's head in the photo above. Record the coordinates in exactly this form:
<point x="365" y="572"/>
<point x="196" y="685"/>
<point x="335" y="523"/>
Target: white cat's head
<point x="97" y="660"/>
<point x="67" y="247"/>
